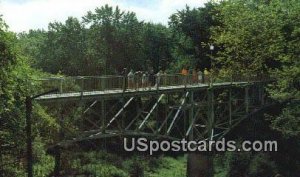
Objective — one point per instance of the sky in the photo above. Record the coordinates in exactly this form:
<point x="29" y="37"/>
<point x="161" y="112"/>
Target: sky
<point x="22" y="15"/>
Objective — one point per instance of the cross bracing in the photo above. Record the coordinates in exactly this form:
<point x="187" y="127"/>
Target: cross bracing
<point x="191" y="109"/>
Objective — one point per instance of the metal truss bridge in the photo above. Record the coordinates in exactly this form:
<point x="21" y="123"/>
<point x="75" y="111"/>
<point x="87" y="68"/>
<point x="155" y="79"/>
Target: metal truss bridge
<point x="173" y="107"/>
<point x="192" y="108"/>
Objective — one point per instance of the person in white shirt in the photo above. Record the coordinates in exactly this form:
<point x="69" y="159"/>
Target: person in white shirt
<point x="158" y="78"/>
<point x="145" y="80"/>
<point x="200" y="76"/>
<point x="130" y="77"/>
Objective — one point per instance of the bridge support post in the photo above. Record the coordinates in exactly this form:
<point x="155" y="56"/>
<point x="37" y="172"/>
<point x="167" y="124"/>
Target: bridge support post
<point x="230" y="106"/>
<point x="200" y="165"/>
<point x="261" y="94"/>
<point x="123" y="116"/>
<point x="191" y="115"/>
<point x="60" y="85"/>
<point x="247" y="99"/>
<point x="211" y="113"/>
<point x="103" y="115"/>
<point x="57" y="150"/>
<point x="82" y="86"/>
<point x="156" y="114"/>
<point x="57" y="156"/>
<point x="28" y="104"/>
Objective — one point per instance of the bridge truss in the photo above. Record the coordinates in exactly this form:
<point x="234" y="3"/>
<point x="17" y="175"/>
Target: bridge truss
<point x="176" y="108"/>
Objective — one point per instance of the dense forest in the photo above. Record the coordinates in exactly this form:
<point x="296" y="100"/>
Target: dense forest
<point x="250" y="36"/>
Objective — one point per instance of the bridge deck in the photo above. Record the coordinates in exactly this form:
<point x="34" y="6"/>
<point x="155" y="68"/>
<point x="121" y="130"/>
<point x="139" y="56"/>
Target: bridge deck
<point x="86" y="95"/>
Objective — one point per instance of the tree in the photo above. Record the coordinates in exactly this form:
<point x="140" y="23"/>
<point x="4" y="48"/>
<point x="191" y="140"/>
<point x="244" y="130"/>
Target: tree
<point x="192" y="29"/>
<point x="30" y="45"/>
<point x="14" y="86"/>
<point x="260" y="38"/>
<point x="64" y="48"/>
<point x="7" y="101"/>
<point x="250" y="35"/>
<point x="17" y="81"/>
<point x="158" y="46"/>
<point x="114" y="39"/>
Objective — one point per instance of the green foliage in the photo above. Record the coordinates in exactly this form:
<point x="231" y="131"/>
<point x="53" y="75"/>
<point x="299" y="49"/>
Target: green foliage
<point x="104" y="170"/>
<point x="251" y="37"/>
<point x="7" y="61"/>
<point x="44" y="124"/>
<point x="17" y="80"/>
<point x="106" y="164"/>
<point x="114" y="37"/>
<point x="237" y="163"/>
<point x="191" y="27"/>
<point x="13" y="88"/>
<point x="260" y="37"/>
<point x="30" y="45"/>
<point x="157" y="46"/>
<point x="181" y="62"/>
<point x="62" y="49"/>
<point x="234" y="164"/>
<point x="105" y="41"/>
<point x="44" y="163"/>
<point x="175" y="167"/>
<point x="97" y="163"/>
<point x="102" y="163"/>
<point x="261" y="166"/>
<point x="288" y="121"/>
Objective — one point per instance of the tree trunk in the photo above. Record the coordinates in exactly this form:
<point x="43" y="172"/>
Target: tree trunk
<point x="200" y="165"/>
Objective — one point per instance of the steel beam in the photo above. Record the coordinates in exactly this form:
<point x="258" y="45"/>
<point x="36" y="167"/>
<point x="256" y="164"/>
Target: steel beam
<point x="230" y="106"/>
<point x="151" y="111"/>
<point x="119" y="112"/>
<point x="211" y="113"/>
<point x="247" y="99"/>
<point x="177" y="113"/>
<point x="103" y="116"/>
<point x="192" y="119"/>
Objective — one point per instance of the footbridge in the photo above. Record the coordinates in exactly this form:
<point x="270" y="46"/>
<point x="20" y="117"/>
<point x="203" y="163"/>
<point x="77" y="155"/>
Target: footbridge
<point x="169" y="106"/>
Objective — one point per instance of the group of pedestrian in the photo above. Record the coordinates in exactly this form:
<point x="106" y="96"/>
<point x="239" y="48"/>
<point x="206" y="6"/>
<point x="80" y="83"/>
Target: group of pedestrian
<point x="140" y="79"/>
<point x="148" y="79"/>
<point x="194" y="76"/>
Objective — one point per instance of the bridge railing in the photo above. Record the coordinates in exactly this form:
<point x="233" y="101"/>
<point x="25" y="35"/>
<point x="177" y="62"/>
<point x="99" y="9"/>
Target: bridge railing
<point x="83" y="83"/>
<point x="138" y="82"/>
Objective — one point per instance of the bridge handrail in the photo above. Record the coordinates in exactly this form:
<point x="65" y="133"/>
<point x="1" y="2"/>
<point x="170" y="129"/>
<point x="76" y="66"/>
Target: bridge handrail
<point x="68" y="84"/>
<point x="75" y="77"/>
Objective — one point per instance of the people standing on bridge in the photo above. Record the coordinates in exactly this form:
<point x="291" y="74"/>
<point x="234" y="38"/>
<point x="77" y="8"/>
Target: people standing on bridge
<point x="138" y="79"/>
<point x="145" y="80"/>
<point x="158" y="78"/>
<point x="206" y="75"/>
<point x="151" y="78"/>
<point x="200" y="76"/>
<point x="124" y="72"/>
<point x="190" y="76"/>
<point x="184" y="73"/>
<point x="164" y="78"/>
<point x="195" y="76"/>
<point x="125" y="81"/>
<point x="130" y="78"/>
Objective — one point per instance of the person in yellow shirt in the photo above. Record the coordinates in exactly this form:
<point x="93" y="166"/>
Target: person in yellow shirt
<point x="206" y="72"/>
<point x="206" y="75"/>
